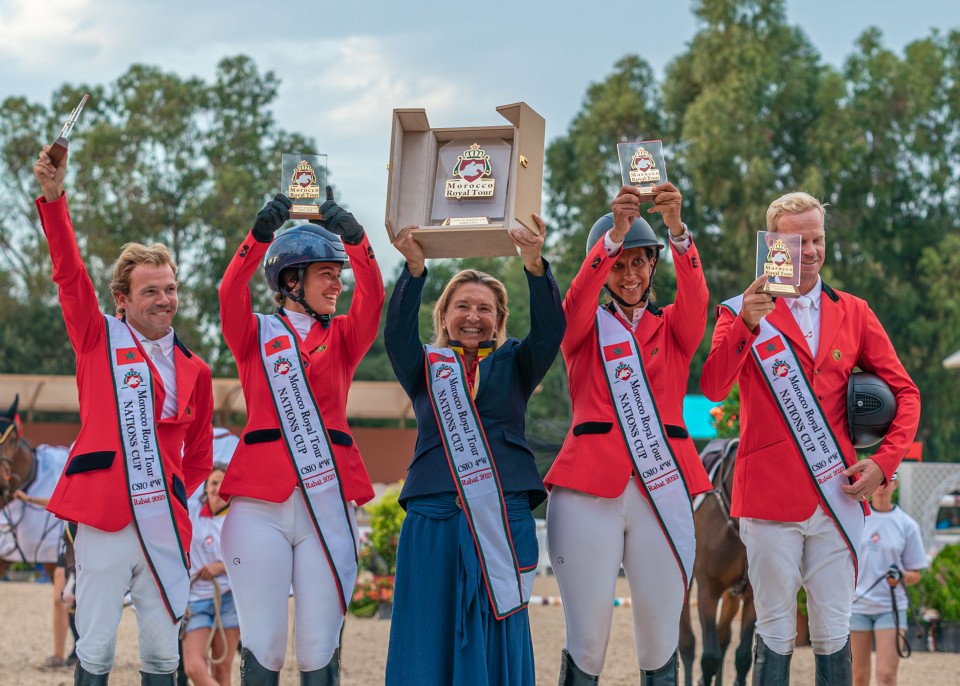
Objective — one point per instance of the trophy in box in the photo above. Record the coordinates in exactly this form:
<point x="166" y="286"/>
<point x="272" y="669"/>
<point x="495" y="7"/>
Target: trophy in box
<point x="778" y="256"/>
<point x="464" y="187"/>
<point x="303" y="180"/>
<point x="642" y="165"/>
<point x="59" y="148"/>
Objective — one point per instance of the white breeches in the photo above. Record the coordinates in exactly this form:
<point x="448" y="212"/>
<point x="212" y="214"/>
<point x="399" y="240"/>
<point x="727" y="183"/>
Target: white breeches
<point x="782" y="557"/>
<point x="108" y="565"/>
<point x="589" y="538"/>
<point x="266" y="548"/>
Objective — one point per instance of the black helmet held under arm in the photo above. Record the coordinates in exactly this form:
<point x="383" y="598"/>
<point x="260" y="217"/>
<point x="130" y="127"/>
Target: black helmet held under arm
<point x="871" y="407"/>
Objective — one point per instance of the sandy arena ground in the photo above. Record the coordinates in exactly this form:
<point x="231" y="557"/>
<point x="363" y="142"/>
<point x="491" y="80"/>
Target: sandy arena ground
<point x="25" y="642"/>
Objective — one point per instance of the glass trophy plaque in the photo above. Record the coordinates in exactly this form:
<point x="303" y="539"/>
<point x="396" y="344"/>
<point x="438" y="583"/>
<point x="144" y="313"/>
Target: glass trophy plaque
<point x="642" y="165"/>
<point x="303" y="180"/>
<point x="778" y="256"/>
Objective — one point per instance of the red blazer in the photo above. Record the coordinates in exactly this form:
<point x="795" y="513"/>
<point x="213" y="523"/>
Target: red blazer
<point x="93" y="487"/>
<point x="770" y="479"/>
<point x="261" y="466"/>
<point x="593" y="458"/>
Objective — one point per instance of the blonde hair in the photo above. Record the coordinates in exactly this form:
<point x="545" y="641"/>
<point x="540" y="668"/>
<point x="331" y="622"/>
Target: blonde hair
<point x="133" y="255"/>
<point x="793" y="203"/>
<point x="441" y="338"/>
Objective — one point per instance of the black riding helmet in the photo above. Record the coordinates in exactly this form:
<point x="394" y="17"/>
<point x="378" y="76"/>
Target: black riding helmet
<point x="300" y="246"/>
<point x="640" y="235"/>
<point x="871" y="407"/>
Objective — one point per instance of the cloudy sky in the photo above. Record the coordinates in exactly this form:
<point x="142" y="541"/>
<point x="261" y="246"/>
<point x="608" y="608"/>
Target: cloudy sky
<point x="346" y="65"/>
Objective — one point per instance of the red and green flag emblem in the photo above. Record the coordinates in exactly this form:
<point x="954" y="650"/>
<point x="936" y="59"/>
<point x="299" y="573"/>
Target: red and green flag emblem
<point x="128" y="356"/>
<point x="275" y="345"/>
<point x="770" y="347"/>
<point x="616" y="351"/>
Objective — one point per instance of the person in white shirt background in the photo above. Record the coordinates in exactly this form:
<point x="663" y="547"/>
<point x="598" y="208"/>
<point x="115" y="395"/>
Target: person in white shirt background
<point x="891" y="557"/>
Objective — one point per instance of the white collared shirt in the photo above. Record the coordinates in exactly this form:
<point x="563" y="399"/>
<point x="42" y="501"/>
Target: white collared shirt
<point x="812" y="335"/>
<point x="301" y="322"/>
<point x="161" y="354"/>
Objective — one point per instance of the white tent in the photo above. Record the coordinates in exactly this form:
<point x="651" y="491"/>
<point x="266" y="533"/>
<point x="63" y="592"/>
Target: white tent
<point x="953" y="361"/>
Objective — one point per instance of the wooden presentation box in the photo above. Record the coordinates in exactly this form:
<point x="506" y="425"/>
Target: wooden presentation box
<point x="423" y="160"/>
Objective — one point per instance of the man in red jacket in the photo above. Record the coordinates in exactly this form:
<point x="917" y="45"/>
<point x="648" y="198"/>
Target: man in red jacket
<point x="798" y="487"/>
<point x="146" y="404"/>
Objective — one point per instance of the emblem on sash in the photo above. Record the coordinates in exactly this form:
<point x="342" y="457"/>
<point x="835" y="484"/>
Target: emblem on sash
<point x="303" y="182"/>
<point x="781" y="368"/>
<point x="778" y="260"/>
<point x="132" y="379"/>
<point x="474" y="176"/>
<point x="643" y="168"/>
<point x="444" y="371"/>
<point x="623" y="372"/>
<point x="282" y="365"/>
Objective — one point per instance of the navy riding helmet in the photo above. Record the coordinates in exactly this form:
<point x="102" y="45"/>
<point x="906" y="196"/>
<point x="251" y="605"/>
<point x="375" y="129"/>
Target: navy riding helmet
<point x="299" y="246"/>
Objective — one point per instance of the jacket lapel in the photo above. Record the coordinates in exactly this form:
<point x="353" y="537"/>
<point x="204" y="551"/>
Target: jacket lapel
<point x="647" y="327"/>
<point x="187" y="373"/>
<point x="831" y="319"/>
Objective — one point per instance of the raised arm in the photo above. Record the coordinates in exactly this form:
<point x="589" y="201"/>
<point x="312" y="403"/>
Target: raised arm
<point x="236" y="309"/>
<point x="78" y="298"/>
<point x="401" y="335"/>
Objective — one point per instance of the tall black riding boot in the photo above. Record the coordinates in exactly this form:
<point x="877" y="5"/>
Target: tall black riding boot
<point x="770" y="668"/>
<point x="835" y="669"/>
<point x="665" y="676"/>
<point x="148" y="679"/>
<point x="252" y="673"/>
<point x="571" y="675"/>
<point x="82" y="677"/>
<point x="325" y="676"/>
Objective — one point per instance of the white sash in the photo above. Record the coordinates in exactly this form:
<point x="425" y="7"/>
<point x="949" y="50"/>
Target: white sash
<point x="475" y="474"/>
<point x="653" y="460"/>
<point x="309" y="447"/>
<point x="809" y="428"/>
<point x="147" y="484"/>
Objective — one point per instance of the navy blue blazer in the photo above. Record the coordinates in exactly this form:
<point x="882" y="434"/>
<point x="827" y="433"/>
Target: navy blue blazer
<point x="508" y="377"/>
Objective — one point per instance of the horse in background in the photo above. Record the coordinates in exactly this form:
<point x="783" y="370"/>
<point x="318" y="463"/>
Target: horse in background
<point x="721" y="574"/>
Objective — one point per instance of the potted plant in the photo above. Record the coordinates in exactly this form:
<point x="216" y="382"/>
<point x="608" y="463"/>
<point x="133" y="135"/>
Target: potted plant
<point x="378" y="558"/>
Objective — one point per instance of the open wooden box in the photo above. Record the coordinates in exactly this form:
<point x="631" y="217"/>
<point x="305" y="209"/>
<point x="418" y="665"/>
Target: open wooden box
<point x="417" y="173"/>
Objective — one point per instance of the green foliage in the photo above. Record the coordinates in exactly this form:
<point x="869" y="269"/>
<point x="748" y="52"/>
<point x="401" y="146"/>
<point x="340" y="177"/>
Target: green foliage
<point x="938" y="585"/>
<point x="726" y="417"/>
<point x="386" y="518"/>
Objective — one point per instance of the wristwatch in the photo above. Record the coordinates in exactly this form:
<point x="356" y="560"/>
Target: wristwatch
<point x="682" y="237"/>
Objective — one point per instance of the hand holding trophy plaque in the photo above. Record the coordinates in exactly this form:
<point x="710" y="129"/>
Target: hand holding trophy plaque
<point x="642" y="165"/>
<point x="301" y="180"/>
<point x="59" y="148"/>
<point x="778" y="256"/>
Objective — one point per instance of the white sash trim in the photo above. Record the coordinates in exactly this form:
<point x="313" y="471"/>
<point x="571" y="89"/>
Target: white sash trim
<point x="808" y="426"/>
<point x="308" y="445"/>
<point x="150" y="502"/>
<point x="654" y="463"/>
<point x="477" y="481"/>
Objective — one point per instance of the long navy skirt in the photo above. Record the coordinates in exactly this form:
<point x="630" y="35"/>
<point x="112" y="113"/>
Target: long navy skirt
<point x="443" y="629"/>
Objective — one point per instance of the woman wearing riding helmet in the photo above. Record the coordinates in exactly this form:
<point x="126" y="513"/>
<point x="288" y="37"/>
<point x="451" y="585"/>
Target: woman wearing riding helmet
<point x="621" y="484"/>
<point x="297" y="474"/>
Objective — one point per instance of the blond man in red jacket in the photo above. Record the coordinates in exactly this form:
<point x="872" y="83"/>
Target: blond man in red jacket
<point x="146" y="404"/>
<point x="798" y="487"/>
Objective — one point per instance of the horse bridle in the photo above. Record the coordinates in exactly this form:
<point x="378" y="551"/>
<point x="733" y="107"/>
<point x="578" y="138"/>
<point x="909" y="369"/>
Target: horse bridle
<point x="719" y="491"/>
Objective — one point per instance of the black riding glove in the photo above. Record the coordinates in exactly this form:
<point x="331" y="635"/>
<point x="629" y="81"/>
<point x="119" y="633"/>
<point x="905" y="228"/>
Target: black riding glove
<point x="339" y="221"/>
<point x="273" y="215"/>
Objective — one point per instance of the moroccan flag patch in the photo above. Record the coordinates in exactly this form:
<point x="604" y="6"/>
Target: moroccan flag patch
<point x="437" y="357"/>
<point x="128" y="356"/>
<point x="770" y="347"/>
<point x="275" y="345"/>
<point x="616" y="351"/>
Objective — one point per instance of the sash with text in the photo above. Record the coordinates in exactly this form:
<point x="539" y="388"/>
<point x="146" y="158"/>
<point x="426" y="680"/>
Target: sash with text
<point x="653" y="460"/>
<point x="475" y="475"/>
<point x="808" y="426"/>
<point x="146" y="481"/>
<point x="308" y="445"/>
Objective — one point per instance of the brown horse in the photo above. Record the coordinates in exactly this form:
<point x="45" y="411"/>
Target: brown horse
<point x="721" y="574"/>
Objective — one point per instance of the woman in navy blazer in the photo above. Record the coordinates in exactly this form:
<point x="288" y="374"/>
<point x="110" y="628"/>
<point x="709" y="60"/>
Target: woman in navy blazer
<point x="445" y="629"/>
